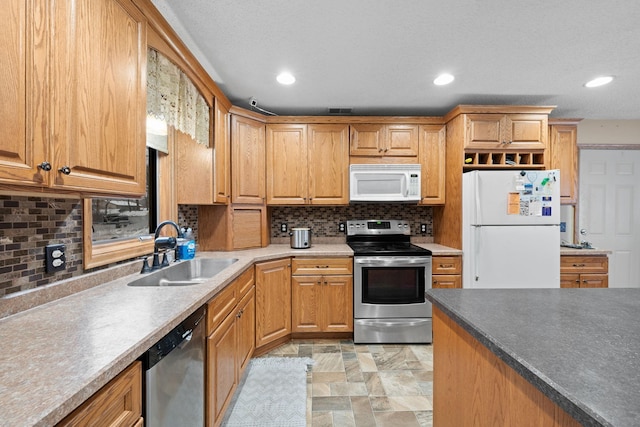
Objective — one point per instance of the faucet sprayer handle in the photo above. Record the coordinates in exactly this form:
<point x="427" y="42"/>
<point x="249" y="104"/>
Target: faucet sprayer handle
<point x="166" y="243"/>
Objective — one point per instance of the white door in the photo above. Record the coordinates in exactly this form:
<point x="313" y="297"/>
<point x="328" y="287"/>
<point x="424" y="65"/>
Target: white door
<point x="609" y="204"/>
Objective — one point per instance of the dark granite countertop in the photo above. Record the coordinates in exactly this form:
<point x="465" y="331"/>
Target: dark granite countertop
<point x="580" y="347"/>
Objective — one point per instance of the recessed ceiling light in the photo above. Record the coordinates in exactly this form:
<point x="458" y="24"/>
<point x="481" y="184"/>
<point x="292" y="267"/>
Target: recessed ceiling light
<point x="599" y="81"/>
<point x="443" y="79"/>
<point x="285" y="78"/>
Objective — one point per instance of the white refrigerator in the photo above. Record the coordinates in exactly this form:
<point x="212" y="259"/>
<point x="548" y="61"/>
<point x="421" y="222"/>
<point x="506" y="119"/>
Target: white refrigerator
<point x="511" y="229"/>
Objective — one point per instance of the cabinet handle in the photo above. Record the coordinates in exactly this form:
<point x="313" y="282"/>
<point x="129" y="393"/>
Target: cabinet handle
<point x="319" y="282"/>
<point x="577" y="280"/>
<point x="435" y="282"/>
<point x="65" y="170"/>
<point x="386" y="149"/>
<point x="325" y="282"/>
<point x="578" y="265"/>
<point x="45" y="166"/>
<point x="446" y="265"/>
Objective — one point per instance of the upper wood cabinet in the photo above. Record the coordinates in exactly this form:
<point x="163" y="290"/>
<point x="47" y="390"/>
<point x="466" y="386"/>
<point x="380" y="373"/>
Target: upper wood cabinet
<point x="307" y="164"/>
<point x="247" y="160"/>
<point x="500" y="131"/>
<point x="563" y="144"/>
<point x="77" y="111"/>
<point x="384" y="140"/>
<point x="432" y="160"/>
<point x="222" y="158"/>
<point x="23" y="38"/>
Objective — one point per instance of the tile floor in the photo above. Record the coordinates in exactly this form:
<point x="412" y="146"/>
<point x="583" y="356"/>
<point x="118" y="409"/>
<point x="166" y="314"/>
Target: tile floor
<point x="366" y="385"/>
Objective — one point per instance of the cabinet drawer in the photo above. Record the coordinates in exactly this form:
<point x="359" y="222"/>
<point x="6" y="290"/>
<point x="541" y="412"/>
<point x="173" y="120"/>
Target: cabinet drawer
<point x="446" y="265"/>
<point x="584" y="264"/>
<point x="244" y="282"/>
<point x="119" y="403"/>
<point x="446" y="281"/>
<point x="221" y="305"/>
<point x="315" y="266"/>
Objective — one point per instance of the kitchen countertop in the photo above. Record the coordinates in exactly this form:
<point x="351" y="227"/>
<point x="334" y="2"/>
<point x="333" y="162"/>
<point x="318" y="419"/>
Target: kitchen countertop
<point x="580" y="347"/>
<point x="57" y="354"/>
<point x="583" y="252"/>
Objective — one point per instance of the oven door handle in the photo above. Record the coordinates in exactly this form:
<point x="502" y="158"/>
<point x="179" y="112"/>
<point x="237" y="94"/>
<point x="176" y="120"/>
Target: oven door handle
<point x="393" y="261"/>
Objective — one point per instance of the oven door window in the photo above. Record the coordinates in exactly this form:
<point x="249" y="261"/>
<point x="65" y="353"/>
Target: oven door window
<point x="393" y="285"/>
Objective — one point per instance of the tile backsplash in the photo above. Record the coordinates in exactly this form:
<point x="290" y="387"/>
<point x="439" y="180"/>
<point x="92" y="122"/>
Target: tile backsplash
<point x="28" y="224"/>
<point x="323" y="220"/>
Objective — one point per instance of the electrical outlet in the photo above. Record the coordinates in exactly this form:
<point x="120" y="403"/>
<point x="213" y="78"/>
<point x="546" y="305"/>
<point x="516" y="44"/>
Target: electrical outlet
<point x="423" y="228"/>
<point x="284" y="227"/>
<point x="342" y="227"/>
<point x="55" y="259"/>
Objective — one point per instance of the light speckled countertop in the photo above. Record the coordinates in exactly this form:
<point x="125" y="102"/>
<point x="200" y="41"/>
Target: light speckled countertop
<point x="583" y="252"/>
<point x="56" y="355"/>
<point x="580" y="347"/>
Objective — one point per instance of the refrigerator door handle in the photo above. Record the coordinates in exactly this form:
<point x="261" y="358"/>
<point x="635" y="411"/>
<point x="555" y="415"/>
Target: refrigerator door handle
<point x="476" y="252"/>
<point x="476" y="185"/>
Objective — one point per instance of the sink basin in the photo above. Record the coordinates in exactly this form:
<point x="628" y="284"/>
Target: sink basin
<point x="185" y="273"/>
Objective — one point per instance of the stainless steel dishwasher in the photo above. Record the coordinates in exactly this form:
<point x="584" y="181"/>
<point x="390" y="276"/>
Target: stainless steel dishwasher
<point x="174" y="376"/>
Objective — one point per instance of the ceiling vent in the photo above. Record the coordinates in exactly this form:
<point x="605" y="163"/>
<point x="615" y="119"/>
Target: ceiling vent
<point x="335" y="110"/>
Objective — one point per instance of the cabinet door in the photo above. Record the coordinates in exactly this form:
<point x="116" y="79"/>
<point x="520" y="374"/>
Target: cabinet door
<point x="432" y="160"/>
<point x="328" y="164"/>
<point x="446" y="281"/>
<point x="337" y="304"/>
<point x="564" y="156"/>
<point x="367" y="140"/>
<point x="273" y="301"/>
<point x="221" y="368"/>
<point x="287" y="164"/>
<point x="526" y="131"/>
<point x="306" y="297"/>
<point x="594" y="281"/>
<point x="569" y="280"/>
<point x="23" y="40"/>
<point x="246" y="330"/>
<point x="484" y="131"/>
<point x="193" y="171"/>
<point x="247" y="160"/>
<point x="99" y="61"/>
<point x="402" y="141"/>
<point x="222" y="166"/>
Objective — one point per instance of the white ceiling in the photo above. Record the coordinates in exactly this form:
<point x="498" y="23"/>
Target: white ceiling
<point x="381" y="56"/>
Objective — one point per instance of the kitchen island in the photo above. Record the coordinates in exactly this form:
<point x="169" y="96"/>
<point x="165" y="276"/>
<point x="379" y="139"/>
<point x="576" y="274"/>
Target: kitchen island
<point x="559" y="357"/>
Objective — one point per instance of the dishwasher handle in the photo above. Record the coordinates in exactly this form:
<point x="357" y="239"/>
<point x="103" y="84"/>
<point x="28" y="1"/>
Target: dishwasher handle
<point x="179" y="337"/>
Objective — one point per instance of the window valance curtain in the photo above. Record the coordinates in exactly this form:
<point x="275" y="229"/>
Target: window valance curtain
<point x="173" y="98"/>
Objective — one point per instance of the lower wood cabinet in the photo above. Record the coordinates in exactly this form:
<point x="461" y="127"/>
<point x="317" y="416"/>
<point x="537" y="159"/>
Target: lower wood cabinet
<point x="446" y="272"/>
<point x="273" y="301"/>
<point x="584" y="271"/>
<point x="322" y="295"/>
<point x="117" y="404"/>
<point x="230" y="343"/>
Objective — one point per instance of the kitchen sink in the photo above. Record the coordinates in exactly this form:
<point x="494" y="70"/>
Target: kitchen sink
<point x="185" y="273"/>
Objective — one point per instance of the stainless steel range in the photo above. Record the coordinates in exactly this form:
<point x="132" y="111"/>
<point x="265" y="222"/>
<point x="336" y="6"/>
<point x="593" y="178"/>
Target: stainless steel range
<point x="390" y="278"/>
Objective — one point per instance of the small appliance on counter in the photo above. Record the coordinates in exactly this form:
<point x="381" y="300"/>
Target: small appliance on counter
<point x="300" y="238"/>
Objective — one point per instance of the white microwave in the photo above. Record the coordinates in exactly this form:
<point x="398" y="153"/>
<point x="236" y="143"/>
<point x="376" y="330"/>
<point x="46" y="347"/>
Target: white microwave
<point x="384" y="183"/>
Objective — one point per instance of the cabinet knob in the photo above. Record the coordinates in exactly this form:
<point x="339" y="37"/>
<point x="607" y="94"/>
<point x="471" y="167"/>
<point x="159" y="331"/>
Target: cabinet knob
<point x="45" y="166"/>
<point x="577" y="280"/>
<point x="386" y="149"/>
<point x="65" y="170"/>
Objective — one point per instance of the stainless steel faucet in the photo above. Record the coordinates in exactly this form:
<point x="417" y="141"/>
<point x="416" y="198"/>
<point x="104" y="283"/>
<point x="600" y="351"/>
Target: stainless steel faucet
<point x="164" y="244"/>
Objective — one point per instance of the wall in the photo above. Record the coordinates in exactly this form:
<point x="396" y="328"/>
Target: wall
<point x="608" y="132"/>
